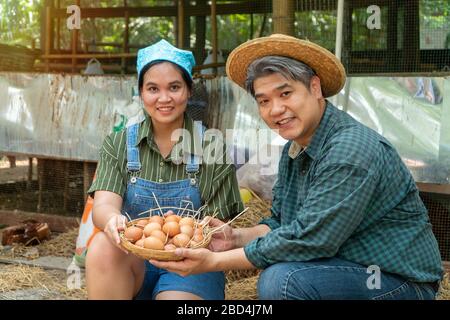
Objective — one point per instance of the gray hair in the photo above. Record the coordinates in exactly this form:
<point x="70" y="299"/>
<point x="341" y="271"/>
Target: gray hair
<point x="287" y="67"/>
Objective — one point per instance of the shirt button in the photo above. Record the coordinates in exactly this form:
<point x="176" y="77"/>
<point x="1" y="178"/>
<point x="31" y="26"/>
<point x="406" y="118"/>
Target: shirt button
<point x="160" y="180"/>
<point x="161" y="164"/>
<point x="303" y="172"/>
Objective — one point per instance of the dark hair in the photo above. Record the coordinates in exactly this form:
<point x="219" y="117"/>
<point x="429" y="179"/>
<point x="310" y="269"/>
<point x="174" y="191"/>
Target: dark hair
<point x="287" y="67"/>
<point x="187" y="79"/>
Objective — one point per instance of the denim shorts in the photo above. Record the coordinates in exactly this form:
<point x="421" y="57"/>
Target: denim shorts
<point x="209" y="286"/>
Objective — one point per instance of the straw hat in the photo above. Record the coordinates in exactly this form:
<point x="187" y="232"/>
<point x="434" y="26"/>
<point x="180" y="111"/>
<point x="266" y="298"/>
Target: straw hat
<point x="328" y="68"/>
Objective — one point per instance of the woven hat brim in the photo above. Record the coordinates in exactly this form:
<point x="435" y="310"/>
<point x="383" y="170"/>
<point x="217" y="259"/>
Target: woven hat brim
<point x="327" y="67"/>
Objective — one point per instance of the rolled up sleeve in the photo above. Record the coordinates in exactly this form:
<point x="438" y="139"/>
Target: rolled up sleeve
<point x="109" y="175"/>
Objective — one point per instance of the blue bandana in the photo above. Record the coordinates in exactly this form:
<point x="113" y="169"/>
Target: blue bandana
<point x="164" y="51"/>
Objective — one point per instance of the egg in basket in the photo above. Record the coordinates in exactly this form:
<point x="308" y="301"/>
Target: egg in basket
<point x="157" y="235"/>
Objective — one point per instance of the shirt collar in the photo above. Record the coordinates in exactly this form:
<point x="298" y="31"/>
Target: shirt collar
<point x="325" y="125"/>
<point x="146" y="132"/>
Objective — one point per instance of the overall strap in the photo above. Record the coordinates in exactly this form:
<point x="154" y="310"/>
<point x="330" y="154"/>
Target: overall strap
<point x="193" y="164"/>
<point x="133" y="161"/>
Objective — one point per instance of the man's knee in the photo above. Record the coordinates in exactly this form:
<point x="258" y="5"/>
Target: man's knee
<point x="272" y="282"/>
<point x="285" y="281"/>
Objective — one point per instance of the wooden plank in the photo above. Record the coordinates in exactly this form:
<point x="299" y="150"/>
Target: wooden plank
<point x="56" y="223"/>
<point x="433" y="187"/>
<point x="89" y="56"/>
<point x="261" y="6"/>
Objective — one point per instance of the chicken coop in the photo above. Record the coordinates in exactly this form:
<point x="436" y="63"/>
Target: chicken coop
<point x="75" y="82"/>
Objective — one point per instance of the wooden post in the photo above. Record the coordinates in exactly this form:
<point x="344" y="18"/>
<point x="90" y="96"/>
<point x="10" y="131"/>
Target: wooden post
<point x="58" y="28"/>
<point x="200" y="35"/>
<point x="283" y="16"/>
<point x="74" y="44"/>
<point x="411" y="38"/>
<point x="66" y="176"/>
<point x="30" y="173"/>
<point x="214" y="32"/>
<point x="180" y="23"/>
<point x="125" y="38"/>
<point x="47" y="36"/>
<point x="186" y="27"/>
<point x="392" y="60"/>
<point x="86" y="179"/>
<point x="347" y="36"/>
<point x="40" y="169"/>
<point x="251" y="25"/>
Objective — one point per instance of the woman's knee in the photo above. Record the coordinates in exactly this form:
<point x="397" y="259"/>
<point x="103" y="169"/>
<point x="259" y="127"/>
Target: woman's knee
<point x="102" y="252"/>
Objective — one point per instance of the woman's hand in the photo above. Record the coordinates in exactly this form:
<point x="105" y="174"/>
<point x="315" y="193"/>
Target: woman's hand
<point x="222" y="240"/>
<point x="195" y="261"/>
<point x="114" y="225"/>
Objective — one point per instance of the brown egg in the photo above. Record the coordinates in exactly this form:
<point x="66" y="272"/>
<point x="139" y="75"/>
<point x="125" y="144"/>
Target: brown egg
<point x="157" y="219"/>
<point x="172" y="217"/>
<point x="187" y="221"/>
<point x="140" y="243"/>
<point x="171" y="228"/>
<point x="153" y="243"/>
<point x="159" y="234"/>
<point x="187" y="229"/>
<point x="142" y="222"/>
<point x="198" y="230"/>
<point x="133" y="234"/>
<point x="181" y="240"/>
<point x="150" y="227"/>
<point x="193" y="243"/>
<point x="170" y="246"/>
<point x="198" y="235"/>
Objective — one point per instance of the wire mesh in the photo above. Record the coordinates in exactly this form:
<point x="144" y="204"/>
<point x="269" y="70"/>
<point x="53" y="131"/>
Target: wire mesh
<point x="438" y="206"/>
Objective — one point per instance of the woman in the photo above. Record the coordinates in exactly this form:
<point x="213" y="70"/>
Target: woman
<point x="136" y="165"/>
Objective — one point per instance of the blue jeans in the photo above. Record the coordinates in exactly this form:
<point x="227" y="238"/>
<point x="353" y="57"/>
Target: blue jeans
<point x="335" y="279"/>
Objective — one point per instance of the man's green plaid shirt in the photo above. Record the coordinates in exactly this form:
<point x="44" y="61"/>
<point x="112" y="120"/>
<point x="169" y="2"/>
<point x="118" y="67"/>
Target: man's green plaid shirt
<point x="348" y="195"/>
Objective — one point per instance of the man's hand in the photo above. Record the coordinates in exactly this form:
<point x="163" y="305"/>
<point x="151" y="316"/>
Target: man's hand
<point x="223" y="240"/>
<point x="114" y="225"/>
<point x="195" y="261"/>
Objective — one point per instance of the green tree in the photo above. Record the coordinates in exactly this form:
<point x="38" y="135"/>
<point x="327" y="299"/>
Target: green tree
<point x="20" y="21"/>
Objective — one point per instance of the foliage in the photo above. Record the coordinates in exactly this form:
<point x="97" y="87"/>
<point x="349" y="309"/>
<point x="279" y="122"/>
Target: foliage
<point x="20" y="21"/>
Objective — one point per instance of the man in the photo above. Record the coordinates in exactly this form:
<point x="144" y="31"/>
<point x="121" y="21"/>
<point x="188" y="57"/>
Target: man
<point x="347" y="221"/>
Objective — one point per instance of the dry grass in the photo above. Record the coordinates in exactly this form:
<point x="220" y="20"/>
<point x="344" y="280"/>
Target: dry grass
<point x="17" y="277"/>
<point x="241" y="284"/>
<point x="242" y="289"/>
<point x="444" y="290"/>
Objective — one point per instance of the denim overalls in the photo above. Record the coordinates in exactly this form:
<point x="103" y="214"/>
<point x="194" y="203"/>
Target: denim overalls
<point x="139" y="198"/>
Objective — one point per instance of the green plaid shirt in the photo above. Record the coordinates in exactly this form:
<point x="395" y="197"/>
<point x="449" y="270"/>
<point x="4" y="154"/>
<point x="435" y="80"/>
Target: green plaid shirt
<point x="349" y="195"/>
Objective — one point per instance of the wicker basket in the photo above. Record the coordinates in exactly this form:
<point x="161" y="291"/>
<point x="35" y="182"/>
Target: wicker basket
<point x="17" y="58"/>
<point x="162" y="255"/>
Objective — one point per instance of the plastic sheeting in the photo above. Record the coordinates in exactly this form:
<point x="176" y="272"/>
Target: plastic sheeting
<point x="68" y="116"/>
<point x="60" y="116"/>
<point x="412" y="112"/>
